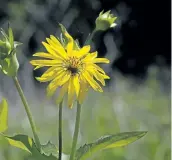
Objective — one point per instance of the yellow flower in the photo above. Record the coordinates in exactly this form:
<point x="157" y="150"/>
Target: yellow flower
<point x="72" y="70"/>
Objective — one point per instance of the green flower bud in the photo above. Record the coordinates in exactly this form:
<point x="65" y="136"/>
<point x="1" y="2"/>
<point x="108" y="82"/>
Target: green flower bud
<point x="8" y="61"/>
<point x="105" y="21"/>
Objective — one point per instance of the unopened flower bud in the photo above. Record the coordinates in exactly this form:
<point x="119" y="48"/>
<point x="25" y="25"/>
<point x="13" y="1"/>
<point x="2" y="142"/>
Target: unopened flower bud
<point x="8" y="61"/>
<point x="105" y="21"/>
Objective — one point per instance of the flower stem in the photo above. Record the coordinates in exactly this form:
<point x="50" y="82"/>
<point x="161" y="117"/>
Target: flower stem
<point x="90" y="37"/>
<point x="27" y="109"/>
<point x="60" y="130"/>
<point x="75" y="136"/>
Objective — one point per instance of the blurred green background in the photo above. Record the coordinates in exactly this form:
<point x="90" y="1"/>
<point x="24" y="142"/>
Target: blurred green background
<point x="128" y="103"/>
<point x="124" y="107"/>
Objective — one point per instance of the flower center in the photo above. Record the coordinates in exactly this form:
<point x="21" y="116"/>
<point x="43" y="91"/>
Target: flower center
<point x="74" y="64"/>
<point x="73" y="70"/>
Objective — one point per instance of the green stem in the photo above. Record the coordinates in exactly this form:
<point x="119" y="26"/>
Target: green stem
<point x="27" y="109"/>
<point x="90" y="37"/>
<point x="75" y="136"/>
<point x="77" y="122"/>
<point x="60" y="130"/>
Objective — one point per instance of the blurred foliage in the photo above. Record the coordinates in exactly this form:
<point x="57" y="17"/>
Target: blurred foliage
<point x="124" y="106"/>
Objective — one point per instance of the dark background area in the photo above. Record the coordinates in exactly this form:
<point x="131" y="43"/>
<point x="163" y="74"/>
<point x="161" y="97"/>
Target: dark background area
<point x="142" y="35"/>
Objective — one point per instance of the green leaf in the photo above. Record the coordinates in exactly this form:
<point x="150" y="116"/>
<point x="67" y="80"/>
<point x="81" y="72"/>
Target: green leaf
<point x="49" y="149"/>
<point x="2" y="43"/>
<point x="39" y="156"/>
<point x="11" y="37"/>
<point x="3" y="115"/>
<point x="20" y="141"/>
<point x="26" y="143"/>
<point x="48" y="152"/>
<point x="36" y="155"/>
<point x="4" y="34"/>
<point x="109" y="141"/>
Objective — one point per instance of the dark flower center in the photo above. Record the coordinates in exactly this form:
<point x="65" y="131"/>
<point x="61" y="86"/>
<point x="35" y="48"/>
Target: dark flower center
<point x="73" y="70"/>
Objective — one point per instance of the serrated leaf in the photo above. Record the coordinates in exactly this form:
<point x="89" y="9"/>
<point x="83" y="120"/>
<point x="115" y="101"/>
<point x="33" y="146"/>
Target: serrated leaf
<point x="49" y="149"/>
<point x="36" y="155"/>
<point x="109" y="141"/>
<point x="3" y="115"/>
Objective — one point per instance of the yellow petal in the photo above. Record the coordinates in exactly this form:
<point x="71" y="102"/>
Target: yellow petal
<point x="44" y="79"/>
<point x="97" y="68"/>
<point x="71" y="93"/>
<point x="92" y="82"/>
<point x="50" y="74"/>
<point x="57" y="48"/>
<point x="50" y="50"/>
<point x="51" y="71"/>
<point x="37" y="67"/>
<point x="90" y="57"/>
<point x="51" y="90"/>
<point x="106" y="76"/>
<point x="83" y="51"/>
<point x="98" y="76"/>
<point x="54" y="84"/>
<point x="70" y="43"/>
<point x="54" y="44"/>
<point x="100" y="60"/>
<point x="63" y="90"/>
<point x="76" y="84"/>
<point x="65" y="78"/>
<point x="93" y="55"/>
<point x="83" y="91"/>
<point x="44" y="55"/>
<point x="44" y="62"/>
<point x="55" y="40"/>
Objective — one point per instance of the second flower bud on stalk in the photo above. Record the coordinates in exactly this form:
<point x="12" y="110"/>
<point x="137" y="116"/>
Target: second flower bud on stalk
<point x="105" y="21"/>
<point x="8" y="61"/>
